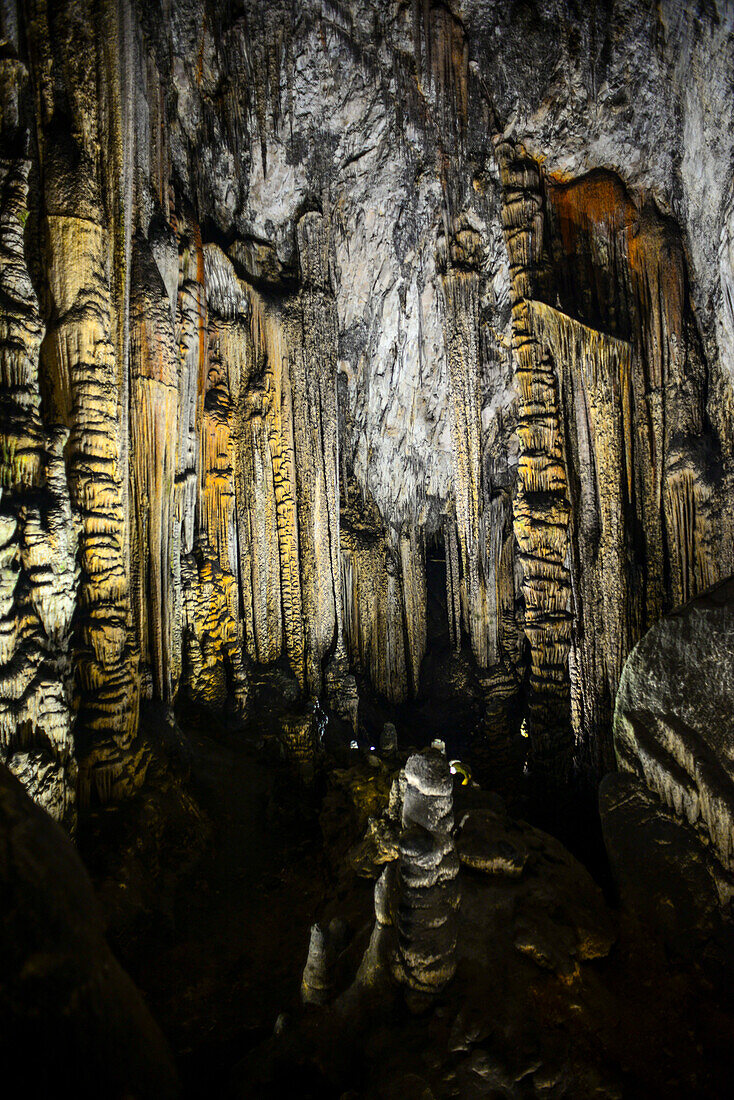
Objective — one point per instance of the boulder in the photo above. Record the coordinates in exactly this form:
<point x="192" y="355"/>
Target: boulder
<point x="491" y="842"/>
<point x="531" y="893"/>
<point x="674" y="722"/>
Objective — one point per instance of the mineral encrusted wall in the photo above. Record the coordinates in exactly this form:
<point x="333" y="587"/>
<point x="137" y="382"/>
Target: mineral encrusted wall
<point x="290" y="290"/>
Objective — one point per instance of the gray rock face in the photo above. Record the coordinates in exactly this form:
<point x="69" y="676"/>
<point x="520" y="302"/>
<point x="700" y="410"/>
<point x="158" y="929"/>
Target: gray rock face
<point x="673" y="723"/>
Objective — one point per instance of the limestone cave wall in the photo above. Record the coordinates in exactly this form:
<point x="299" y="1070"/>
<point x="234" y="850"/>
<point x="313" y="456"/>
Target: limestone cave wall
<point x="291" y="292"/>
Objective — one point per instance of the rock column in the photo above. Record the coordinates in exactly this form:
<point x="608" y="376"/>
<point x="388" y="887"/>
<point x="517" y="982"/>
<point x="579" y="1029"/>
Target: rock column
<point x="427" y="877"/>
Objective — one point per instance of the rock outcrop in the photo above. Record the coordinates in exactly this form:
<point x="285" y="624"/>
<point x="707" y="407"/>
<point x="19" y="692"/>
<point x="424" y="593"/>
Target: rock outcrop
<point x="673" y="721"/>
<point x="669" y="881"/>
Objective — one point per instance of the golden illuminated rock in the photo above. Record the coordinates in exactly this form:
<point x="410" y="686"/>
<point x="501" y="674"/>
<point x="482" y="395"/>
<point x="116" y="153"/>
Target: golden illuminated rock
<point x="278" y="341"/>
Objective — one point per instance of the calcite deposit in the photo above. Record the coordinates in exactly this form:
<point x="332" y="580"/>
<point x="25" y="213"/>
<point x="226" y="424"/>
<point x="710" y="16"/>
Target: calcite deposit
<point x="366" y="383"/>
<point x="295" y="296"/>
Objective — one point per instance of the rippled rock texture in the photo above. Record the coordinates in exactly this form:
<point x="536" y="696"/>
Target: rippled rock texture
<point x="298" y="295"/>
<point x="673" y="720"/>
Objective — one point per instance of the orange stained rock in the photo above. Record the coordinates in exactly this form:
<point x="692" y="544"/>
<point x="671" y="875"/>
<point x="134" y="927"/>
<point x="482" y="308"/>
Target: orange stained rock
<point x="598" y="200"/>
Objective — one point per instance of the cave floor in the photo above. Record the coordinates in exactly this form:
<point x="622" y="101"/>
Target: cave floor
<point x="217" y="933"/>
<point x="211" y="881"/>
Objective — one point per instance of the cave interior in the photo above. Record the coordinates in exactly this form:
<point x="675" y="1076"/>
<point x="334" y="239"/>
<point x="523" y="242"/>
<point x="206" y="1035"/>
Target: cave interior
<point x="367" y="548"/>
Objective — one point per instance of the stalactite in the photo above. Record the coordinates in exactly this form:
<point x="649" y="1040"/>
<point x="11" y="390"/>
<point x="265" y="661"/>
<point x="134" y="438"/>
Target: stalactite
<point x="215" y="674"/>
<point x="80" y="362"/>
<point x="442" y="61"/>
<point x="453" y="584"/>
<point x="413" y="573"/>
<point x="688" y="492"/>
<point x="372" y="597"/>
<point x="83" y="250"/>
<point x="273" y="363"/>
<point x="591" y="368"/>
<point x="633" y="400"/>
<point x="38" y="536"/>
<point x="313" y="381"/>
<point x="208" y="642"/>
<point x="460" y="260"/>
<point x="174" y="459"/>
<point x="154" y="431"/>
<point x="541" y="507"/>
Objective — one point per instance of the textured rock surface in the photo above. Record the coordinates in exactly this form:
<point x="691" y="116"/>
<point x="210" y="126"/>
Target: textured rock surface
<point x="666" y="877"/>
<point x="555" y="912"/>
<point x="60" y="979"/>
<point x="525" y="986"/>
<point x="427" y="890"/>
<point x="318" y="973"/>
<point x="297" y="292"/>
<point x="673" y="725"/>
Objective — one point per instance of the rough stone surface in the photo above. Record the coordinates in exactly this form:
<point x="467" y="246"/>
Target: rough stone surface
<point x="318" y="974"/>
<point x="673" y="723"/>
<point x="666" y="877"/>
<point x="491" y="843"/>
<point x="555" y="912"/>
<point x="427" y="890"/>
<point x="296" y="293"/>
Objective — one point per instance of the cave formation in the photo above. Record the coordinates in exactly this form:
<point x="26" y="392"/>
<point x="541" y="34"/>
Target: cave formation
<point x="366" y="527"/>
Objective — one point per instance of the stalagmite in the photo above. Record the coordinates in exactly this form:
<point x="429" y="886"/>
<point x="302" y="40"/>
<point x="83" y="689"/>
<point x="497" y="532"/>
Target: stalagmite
<point x="427" y="888"/>
<point x="316" y="981"/>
